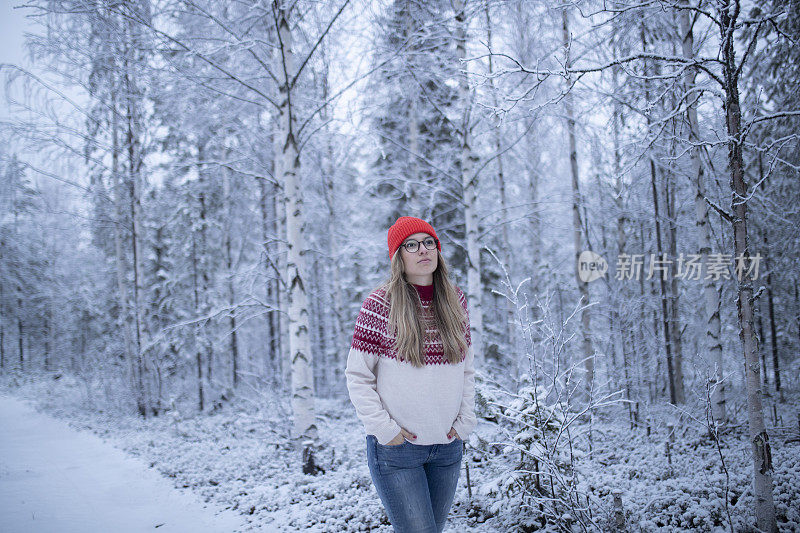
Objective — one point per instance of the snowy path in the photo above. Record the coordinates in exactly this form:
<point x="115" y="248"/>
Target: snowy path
<point x="55" y="478"/>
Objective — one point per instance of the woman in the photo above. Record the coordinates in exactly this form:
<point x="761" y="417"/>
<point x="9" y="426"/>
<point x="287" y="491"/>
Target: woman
<point x="410" y="376"/>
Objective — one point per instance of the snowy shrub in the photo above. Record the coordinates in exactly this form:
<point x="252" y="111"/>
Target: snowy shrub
<point x="540" y="487"/>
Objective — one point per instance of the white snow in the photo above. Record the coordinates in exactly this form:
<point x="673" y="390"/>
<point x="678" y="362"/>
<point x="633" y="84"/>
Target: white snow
<point x="239" y="458"/>
<point x="55" y="478"/>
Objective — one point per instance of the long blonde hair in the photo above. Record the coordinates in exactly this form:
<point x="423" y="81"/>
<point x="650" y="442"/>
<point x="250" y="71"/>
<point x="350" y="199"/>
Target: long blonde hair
<point x="407" y="320"/>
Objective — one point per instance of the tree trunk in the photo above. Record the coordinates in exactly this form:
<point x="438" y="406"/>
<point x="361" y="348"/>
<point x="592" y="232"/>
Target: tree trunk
<point x="339" y="335"/>
<point x="299" y="345"/>
<point x="762" y="456"/>
<point x="135" y="208"/>
<point x="135" y="162"/>
<point x="583" y="287"/>
<point x="234" y="347"/>
<point x="674" y="293"/>
<point x="469" y="185"/>
<point x="505" y="247"/>
<point x="123" y="320"/>
<point x="20" y="338"/>
<point x="535" y="221"/>
<point x="776" y="371"/>
<point x="660" y="252"/>
<point x="413" y="110"/>
<point x="160" y="322"/>
<point x="2" y="321"/>
<point x="797" y="308"/>
<point x="618" y="290"/>
<point x="50" y="331"/>
<point x="758" y="313"/>
<point x="268" y="200"/>
<point x="272" y="289"/>
<point x="197" y="329"/>
<point x="206" y="346"/>
<point x="711" y="299"/>
<point x="282" y="294"/>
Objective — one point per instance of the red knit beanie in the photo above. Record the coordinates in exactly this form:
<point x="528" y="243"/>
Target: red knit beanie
<point x="405" y="226"/>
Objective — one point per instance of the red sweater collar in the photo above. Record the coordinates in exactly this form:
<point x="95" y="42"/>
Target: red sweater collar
<point x="425" y="291"/>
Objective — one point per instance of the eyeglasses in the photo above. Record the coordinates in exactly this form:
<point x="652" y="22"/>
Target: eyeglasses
<point x="412" y="245"/>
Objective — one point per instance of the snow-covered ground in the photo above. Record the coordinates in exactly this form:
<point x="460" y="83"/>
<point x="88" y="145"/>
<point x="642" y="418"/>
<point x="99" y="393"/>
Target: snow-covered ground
<point x="56" y="478"/>
<point x="237" y="458"/>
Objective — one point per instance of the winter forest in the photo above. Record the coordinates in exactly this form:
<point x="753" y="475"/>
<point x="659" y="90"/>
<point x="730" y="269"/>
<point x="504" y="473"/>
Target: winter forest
<point x="194" y="203"/>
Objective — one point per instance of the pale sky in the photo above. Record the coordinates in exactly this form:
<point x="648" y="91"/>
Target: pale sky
<point x="13" y="25"/>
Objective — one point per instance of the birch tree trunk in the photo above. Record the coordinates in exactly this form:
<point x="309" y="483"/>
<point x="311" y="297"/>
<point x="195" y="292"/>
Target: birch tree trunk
<point x="762" y="456"/>
<point x="583" y="287"/>
<point x="468" y="180"/>
<point x="711" y="299"/>
<point x="278" y="208"/>
<point x="299" y="345"/>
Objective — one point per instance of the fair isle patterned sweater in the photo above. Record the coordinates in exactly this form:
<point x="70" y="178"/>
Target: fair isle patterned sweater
<point x="389" y="394"/>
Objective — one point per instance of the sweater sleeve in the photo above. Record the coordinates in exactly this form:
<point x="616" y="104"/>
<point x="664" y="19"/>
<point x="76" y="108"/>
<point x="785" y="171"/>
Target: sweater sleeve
<point x="466" y="421"/>
<point x="361" y="376"/>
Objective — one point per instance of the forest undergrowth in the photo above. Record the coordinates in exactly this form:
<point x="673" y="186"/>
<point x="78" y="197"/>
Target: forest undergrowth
<point x="237" y="457"/>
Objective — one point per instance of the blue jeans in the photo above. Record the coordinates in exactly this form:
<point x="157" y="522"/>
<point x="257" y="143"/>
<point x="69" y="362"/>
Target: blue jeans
<point x="416" y="483"/>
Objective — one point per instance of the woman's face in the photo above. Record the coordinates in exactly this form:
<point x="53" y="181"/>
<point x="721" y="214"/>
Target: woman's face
<point x="419" y="266"/>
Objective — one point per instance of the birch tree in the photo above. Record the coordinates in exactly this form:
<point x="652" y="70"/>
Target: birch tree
<point x="577" y="224"/>
<point x="728" y="14"/>
<point x="711" y="299"/>
<point x="285" y="71"/>
<point x="724" y="17"/>
<point x="288" y="168"/>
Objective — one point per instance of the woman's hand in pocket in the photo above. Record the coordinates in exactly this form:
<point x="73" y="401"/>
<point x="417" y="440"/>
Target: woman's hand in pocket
<point x="403" y="435"/>
<point x="453" y="433"/>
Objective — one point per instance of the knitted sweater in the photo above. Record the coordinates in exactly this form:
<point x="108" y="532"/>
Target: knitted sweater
<point x="389" y="394"/>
